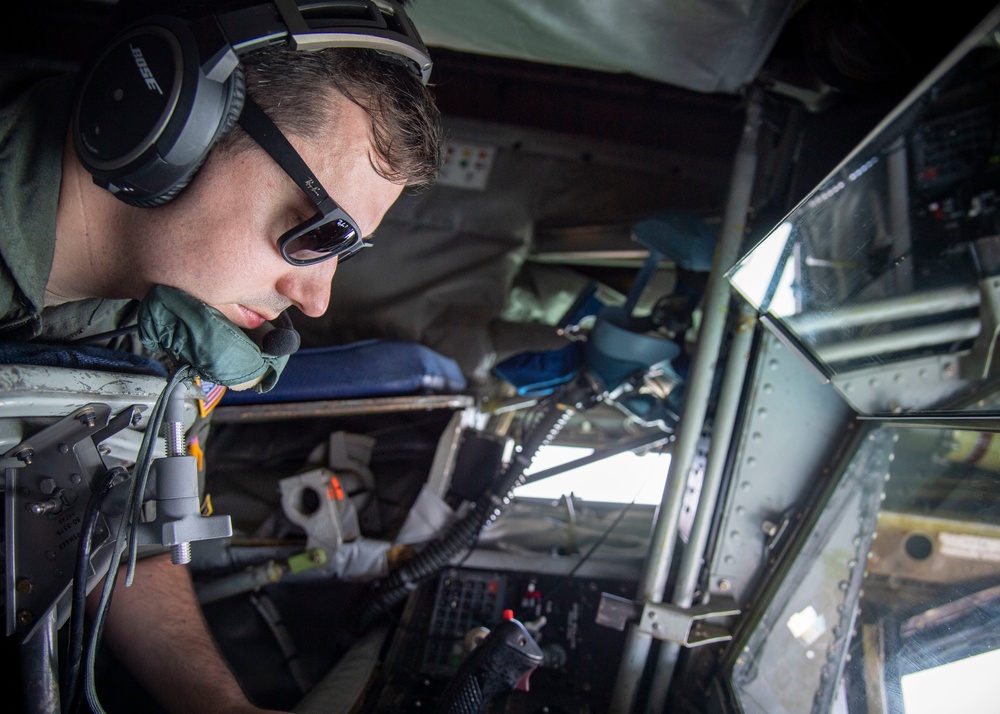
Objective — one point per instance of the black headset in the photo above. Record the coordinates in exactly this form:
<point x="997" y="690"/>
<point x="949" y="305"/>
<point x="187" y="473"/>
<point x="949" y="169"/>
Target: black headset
<point x="166" y="89"/>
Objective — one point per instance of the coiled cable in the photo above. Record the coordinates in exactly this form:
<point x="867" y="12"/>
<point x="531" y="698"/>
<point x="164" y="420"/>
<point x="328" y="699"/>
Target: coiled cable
<point x="553" y="415"/>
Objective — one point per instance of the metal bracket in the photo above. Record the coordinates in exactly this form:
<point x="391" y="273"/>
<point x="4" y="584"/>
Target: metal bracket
<point x="47" y="480"/>
<point x="663" y="621"/>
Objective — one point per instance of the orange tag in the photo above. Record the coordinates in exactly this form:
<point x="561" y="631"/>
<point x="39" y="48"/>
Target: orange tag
<point x="195" y="450"/>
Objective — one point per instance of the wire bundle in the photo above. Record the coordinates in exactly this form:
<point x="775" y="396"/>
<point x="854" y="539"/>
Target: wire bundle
<point x="128" y="535"/>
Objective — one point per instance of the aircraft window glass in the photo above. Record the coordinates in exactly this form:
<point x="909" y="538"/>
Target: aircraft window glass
<point x="962" y="686"/>
<point x="887" y="276"/>
<point x="624" y="478"/>
<point x="891" y="589"/>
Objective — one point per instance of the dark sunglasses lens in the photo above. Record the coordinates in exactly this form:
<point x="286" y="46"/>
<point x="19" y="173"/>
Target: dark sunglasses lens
<point x="321" y="242"/>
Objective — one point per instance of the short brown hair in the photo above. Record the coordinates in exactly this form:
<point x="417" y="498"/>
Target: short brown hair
<point x="292" y="86"/>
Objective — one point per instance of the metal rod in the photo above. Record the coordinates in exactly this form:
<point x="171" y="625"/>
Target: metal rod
<point x="723" y="426"/>
<point x="899" y="341"/>
<point x="249" y="580"/>
<point x="899" y="217"/>
<point x="922" y="304"/>
<point x="40" y="668"/>
<point x="716" y="307"/>
<point x="338" y="408"/>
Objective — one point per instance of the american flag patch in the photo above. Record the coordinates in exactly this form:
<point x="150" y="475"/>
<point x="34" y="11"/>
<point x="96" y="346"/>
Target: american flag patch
<point x="211" y="393"/>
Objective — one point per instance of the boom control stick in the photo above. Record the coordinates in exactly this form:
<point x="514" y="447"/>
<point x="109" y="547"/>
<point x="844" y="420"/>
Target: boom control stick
<point x="502" y="662"/>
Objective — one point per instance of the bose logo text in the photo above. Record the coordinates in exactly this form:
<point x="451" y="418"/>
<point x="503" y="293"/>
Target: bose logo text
<point x="144" y="70"/>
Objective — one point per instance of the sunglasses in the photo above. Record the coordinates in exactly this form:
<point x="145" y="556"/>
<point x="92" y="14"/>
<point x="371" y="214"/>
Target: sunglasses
<point x="330" y="233"/>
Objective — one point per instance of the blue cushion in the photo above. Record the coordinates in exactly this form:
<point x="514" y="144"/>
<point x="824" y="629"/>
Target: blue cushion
<point x="682" y="236"/>
<point x="374" y="368"/>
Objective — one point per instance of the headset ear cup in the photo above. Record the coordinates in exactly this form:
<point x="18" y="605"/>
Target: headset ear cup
<point x="236" y="101"/>
<point x="234" y="107"/>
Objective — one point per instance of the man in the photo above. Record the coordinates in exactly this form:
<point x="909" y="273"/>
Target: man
<point x="363" y="123"/>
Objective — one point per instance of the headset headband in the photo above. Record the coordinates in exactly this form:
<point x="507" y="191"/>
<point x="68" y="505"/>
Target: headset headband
<point x="370" y="24"/>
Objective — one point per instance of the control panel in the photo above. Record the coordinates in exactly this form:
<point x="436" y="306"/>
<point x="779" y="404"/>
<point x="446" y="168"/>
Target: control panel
<point x="445" y="617"/>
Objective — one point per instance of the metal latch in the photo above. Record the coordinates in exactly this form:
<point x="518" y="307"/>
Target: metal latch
<point x="685" y="626"/>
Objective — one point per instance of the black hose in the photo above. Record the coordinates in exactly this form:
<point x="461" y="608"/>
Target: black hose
<point x="74" y="650"/>
<point x="554" y="413"/>
<point x="127" y="531"/>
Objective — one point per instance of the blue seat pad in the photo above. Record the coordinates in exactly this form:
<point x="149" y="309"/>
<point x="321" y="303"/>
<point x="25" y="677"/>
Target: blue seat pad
<point x="372" y="368"/>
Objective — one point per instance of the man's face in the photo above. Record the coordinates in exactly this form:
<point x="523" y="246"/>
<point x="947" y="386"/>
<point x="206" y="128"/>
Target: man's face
<point x="218" y="240"/>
